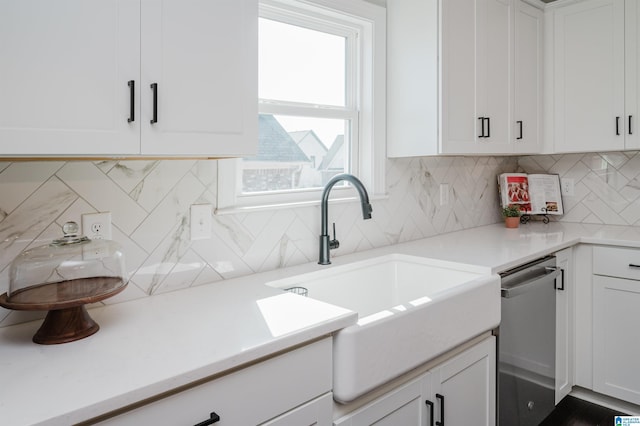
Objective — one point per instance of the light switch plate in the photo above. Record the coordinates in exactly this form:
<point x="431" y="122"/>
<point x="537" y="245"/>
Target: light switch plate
<point x="567" y="187"/>
<point x="201" y="221"/>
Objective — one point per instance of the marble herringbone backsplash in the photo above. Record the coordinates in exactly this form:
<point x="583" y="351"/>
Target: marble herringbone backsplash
<point x="150" y="200"/>
<point x="607" y="185"/>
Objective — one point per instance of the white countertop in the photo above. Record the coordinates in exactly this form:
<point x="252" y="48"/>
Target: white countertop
<point x="499" y="249"/>
<point x="152" y="345"/>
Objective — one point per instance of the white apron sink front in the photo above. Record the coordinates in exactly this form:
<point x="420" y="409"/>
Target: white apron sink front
<point x="410" y="310"/>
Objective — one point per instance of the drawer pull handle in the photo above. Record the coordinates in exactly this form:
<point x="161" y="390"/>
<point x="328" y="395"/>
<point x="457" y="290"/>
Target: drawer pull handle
<point x="520" y="124"/>
<point x="441" y="398"/>
<point x="154" y="88"/>
<point x="213" y="418"/>
<point x="633" y="265"/>
<point x="132" y="106"/>
<point x="431" y="408"/>
<point x="562" y="279"/>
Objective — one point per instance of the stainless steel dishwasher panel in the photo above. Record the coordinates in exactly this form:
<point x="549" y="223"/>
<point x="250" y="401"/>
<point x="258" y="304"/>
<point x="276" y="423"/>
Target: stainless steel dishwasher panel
<point x="527" y="343"/>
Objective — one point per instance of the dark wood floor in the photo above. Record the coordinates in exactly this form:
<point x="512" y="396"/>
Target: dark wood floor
<point x="576" y="412"/>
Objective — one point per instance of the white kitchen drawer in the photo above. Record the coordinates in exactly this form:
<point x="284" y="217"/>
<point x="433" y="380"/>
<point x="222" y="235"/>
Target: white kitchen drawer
<point x="249" y="396"/>
<point x="314" y="413"/>
<point x="617" y="262"/>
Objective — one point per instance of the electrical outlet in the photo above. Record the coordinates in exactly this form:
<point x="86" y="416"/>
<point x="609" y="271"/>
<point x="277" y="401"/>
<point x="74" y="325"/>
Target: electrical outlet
<point x="97" y="250"/>
<point x="567" y="187"/>
<point x="97" y="226"/>
<point x="201" y="221"/>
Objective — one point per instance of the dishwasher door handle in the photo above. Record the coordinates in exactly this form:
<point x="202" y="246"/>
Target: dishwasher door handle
<point x="551" y="273"/>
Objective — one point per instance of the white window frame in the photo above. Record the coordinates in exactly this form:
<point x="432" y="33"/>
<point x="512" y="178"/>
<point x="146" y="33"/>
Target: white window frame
<point x="368" y="155"/>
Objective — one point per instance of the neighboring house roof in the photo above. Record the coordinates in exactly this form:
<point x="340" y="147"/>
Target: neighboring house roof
<point x="275" y="144"/>
<point x="299" y="135"/>
<point x="311" y="145"/>
<point x="335" y="157"/>
<point x="308" y="140"/>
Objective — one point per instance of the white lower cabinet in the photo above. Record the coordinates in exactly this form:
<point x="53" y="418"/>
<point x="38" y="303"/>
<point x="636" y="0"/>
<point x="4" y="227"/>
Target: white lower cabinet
<point x="564" y="325"/>
<point x="615" y="321"/>
<point x="464" y="388"/>
<point x="292" y="389"/>
<point x="402" y="406"/>
<point x="459" y="392"/>
<point x="316" y="412"/>
<point x="616" y="348"/>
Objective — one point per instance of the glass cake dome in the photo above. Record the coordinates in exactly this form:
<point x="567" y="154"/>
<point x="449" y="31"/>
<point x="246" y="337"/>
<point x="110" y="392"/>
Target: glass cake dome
<point x="63" y="276"/>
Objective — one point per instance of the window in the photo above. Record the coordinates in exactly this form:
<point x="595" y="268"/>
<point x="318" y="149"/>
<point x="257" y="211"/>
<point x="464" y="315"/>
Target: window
<point x="322" y="66"/>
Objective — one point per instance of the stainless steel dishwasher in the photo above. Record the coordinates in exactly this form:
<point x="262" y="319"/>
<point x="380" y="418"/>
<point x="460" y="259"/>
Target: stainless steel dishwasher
<point x="527" y="343"/>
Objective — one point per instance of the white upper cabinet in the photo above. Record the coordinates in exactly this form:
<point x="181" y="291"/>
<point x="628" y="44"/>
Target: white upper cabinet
<point x="493" y="76"/>
<point x="460" y="121"/>
<point x="457" y="77"/>
<point x="632" y="74"/>
<point x="64" y="72"/>
<point x="202" y="56"/>
<point x="413" y="108"/>
<point x="589" y="76"/>
<point x="76" y="77"/>
<point x="528" y="89"/>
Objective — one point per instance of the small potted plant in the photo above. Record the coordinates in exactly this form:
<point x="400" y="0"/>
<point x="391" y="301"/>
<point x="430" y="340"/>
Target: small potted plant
<point x="511" y="215"/>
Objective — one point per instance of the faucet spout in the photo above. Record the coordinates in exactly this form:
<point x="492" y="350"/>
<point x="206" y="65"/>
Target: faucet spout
<point x="325" y="243"/>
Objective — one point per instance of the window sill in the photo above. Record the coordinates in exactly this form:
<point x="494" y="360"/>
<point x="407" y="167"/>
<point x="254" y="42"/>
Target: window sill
<point x="294" y="204"/>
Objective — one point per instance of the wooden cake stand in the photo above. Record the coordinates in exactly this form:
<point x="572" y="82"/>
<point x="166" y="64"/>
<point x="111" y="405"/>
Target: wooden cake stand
<point x="67" y="319"/>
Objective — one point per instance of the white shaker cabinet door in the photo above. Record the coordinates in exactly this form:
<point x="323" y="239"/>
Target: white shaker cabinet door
<point x="494" y="85"/>
<point x="616" y="348"/>
<point x="464" y="388"/>
<point x="64" y="72"/>
<point x="632" y="73"/>
<point x="589" y="76"/>
<point x="564" y="324"/>
<point x="476" y="76"/>
<point x="528" y="89"/>
<point x="201" y="55"/>
<point x="460" y="117"/>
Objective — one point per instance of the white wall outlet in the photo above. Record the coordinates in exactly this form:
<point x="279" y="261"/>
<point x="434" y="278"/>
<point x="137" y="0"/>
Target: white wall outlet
<point x="567" y="187"/>
<point x="97" y="226"/>
<point x="444" y="194"/>
<point x="201" y="221"/>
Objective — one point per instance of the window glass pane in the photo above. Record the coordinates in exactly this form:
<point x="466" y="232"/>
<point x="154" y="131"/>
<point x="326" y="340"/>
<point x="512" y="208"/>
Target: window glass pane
<point x="296" y="153"/>
<point x="301" y="65"/>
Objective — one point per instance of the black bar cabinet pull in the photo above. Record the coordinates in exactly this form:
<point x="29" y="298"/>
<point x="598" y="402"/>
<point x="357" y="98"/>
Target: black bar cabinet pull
<point x="132" y="94"/>
<point x="488" y="127"/>
<point x="441" y="398"/>
<point x="519" y="124"/>
<point x="634" y="266"/>
<point x="630" y="132"/>
<point x="154" y="87"/>
<point x="617" y="126"/>
<point x="562" y="278"/>
<point x="213" y="418"/>
<point x="430" y="405"/>
<point x="482" y="127"/>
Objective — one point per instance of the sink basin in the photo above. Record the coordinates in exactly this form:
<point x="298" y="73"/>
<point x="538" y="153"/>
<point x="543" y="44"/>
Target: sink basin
<point x="410" y="310"/>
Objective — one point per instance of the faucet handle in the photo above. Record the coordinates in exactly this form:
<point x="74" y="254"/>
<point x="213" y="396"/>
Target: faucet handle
<point x="334" y="243"/>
